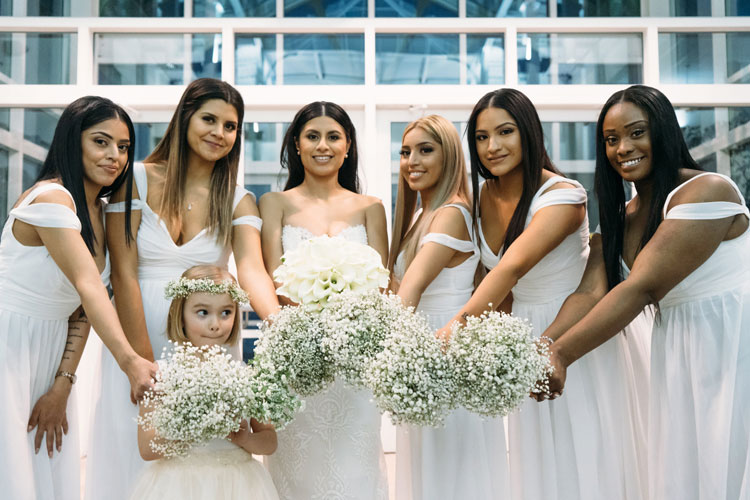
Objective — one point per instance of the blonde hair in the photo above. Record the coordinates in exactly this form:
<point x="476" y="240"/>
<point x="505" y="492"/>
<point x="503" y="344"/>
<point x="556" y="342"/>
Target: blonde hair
<point x="453" y="183"/>
<point x="175" y="319"/>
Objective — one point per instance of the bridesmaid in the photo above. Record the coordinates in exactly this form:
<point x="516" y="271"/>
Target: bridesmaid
<point x="52" y="263"/>
<point x="435" y="256"/>
<point x="534" y="235"/>
<point x="188" y="210"/>
<point x="684" y="241"/>
<point x="332" y="449"/>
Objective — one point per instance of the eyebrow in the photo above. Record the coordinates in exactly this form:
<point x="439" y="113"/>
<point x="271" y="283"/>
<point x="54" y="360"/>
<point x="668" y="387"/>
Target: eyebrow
<point x="208" y="113"/>
<point x="99" y="132"/>
<point x="629" y="125"/>
<point x="499" y="126"/>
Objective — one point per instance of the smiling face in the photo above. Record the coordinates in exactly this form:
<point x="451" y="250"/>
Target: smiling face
<point x="208" y="318"/>
<point x="627" y="141"/>
<point x="498" y="141"/>
<point x="212" y="130"/>
<point x="104" y="151"/>
<point x="322" y="145"/>
<point x="421" y="160"/>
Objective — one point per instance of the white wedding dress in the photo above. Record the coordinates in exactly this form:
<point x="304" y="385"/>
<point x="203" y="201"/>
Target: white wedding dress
<point x="36" y="300"/>
<point x="113" y="460"/>
<point x="332" y="449"/>
<point x="466" y="459"/>
<point x="699" y="420"/>
<point x="565" y="449"/>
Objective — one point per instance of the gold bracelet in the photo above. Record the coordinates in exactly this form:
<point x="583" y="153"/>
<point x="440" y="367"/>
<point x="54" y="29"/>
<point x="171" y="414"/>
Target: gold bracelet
<point x="70" y="376"/>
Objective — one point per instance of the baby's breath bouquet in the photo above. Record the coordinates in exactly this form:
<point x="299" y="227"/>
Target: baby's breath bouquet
<point x="496" y="362"/>
<point x="289" y="351"/>
<point x="356" y="326"/>
<point x="200" y="393"/>
<point x="274" y="401"/>
<point x="410" y="378"/>
<point x="324" y="266"/>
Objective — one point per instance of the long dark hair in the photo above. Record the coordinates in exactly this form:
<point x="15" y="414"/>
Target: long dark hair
<point x="291" y="161"/>
<point x="534" y="156"/>
<point x="173" y="151"/>
<point x="65" y="159"/>
<point x="669" y="154"/>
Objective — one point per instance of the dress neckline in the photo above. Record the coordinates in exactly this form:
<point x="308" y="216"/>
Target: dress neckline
<point x="313" y="235"/>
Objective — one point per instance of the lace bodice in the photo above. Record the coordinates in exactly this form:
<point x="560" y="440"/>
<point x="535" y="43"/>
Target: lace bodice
<point x="291" y="236"/>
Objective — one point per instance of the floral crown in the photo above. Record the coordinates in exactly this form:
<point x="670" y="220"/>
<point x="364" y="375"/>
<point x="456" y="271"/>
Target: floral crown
<point x="183" y="287"/>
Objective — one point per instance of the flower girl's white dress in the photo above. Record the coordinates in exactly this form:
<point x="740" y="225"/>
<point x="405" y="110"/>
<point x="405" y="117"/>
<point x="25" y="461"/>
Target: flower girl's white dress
<point x="36" y="300"/>
<point x="467" y="458"/>
<point x="113" y="460"/>
<point x="568" y="449"/>
<point x="220" y="470"/>
<point x="332" y="449"/>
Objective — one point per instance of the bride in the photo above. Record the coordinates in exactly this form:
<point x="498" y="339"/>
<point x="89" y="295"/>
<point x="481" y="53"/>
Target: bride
<point x="332" y="449"/>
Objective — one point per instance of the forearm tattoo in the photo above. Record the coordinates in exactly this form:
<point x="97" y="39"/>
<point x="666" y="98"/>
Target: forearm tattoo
<point x="77" y="333"/>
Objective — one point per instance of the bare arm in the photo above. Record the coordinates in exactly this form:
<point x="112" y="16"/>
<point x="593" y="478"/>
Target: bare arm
<point x="272" y="212"/>
<point x="251" y="271"/>
<point x="256" y="437"/>
<point x="377" y="232"/>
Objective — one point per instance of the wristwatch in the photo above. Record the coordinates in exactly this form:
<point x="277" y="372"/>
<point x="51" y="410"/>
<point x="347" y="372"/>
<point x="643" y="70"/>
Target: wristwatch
<point x="70" y="376"/>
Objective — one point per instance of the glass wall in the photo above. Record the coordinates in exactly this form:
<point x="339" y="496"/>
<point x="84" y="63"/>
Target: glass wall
<point x="692" y="57"/>
<point x="38" y="58"/>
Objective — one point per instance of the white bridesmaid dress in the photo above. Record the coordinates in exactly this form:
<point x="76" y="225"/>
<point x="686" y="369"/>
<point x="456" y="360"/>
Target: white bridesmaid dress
<point x="567" y="449"/>
<point x="36" y="300"/>
<point x="113" y="460"/>
<point x="699" y="420"/>
<point x="332" y="448"/>
<point x="468" y="457"/>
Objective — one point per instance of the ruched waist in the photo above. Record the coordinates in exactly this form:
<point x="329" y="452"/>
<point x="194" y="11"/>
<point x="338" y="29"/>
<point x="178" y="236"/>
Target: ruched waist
<point x="443" y="301"/>
<point x="49" y="308"/>
<point x="728" y="284"/>
<point x="541" y="294"/>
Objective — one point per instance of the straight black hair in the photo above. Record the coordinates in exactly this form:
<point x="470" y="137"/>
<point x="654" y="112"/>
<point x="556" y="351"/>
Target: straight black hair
<point x="534" y="156"/>
<point x="669" y="154"/>
<point x="291" y="161"/>
<point x="65" y="158"/>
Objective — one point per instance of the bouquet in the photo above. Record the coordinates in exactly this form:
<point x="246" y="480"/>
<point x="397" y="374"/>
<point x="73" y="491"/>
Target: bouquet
<point x="200" y="393"/>
<point x="410" y="378"/>
<point x="496" y="362"/>
<point x="323" y="266"/>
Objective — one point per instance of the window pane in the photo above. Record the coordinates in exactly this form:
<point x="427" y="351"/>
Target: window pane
<point x="689" y="57"/>
<point x="39" y="125"/>
<point x="739" y="159"/>
<point x="485" y="59"/>
<point x="324" y="59"/>
<point x="38" y="58"/>
<point x="580" y="59"/>
<point x="255" y="59"/>
<point x="737" y="8"/>
<point x="689" y="7"/>
<point x="147" y="136"/>
<point x="162" y="59"/>
<point x="31" y="170"/>
<point x="57" y="8"/>
<point x="417" y="59"/>
<point x="325" y="8"/>
<point x="411" y="8"/>
<point x="506" y="8"/>
<point x="599" y="8"/>
<point x="262" y="146"/>
<point x="234" y="8"/>
<point x="738" y="116"/>
<point x="141" y="8"/>
<point x="698" y="125"/>
<point x="4" y="158"/>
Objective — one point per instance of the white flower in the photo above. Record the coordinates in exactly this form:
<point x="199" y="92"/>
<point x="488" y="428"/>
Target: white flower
<point x="324" y="266"/>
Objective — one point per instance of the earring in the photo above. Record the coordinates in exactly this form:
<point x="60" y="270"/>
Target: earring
<point x="298" y="152"/>
<point x="346" y="155"/>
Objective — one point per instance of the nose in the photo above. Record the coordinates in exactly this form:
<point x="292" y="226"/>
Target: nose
<point x="213" y="324"/>
<point x="322" y="145"/>
<point x="218" y="130"/>
<point x="624" y="147"/>
<point x="493" y="144"/>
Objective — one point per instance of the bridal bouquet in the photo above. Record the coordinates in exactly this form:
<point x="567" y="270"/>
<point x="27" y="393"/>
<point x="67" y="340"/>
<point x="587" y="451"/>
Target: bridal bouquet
<point x="496" y="362"/>
<point x="324" y="266"/>
<point x="411" y="377"/>
<point x="200" y="393"/>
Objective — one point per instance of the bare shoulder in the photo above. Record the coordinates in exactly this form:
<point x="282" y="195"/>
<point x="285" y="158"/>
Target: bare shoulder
<point x="246" y="206"/>
<point x="369" y="202"/>
<point x="272" y="202"/>
<point x="707" y="188"/>
<point x="450" y="221"/>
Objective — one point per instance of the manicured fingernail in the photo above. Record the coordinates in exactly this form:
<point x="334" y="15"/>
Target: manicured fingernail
<point x="28" y="429"/>
<point x="50" y="454"/>
<point x="36" y="450"/>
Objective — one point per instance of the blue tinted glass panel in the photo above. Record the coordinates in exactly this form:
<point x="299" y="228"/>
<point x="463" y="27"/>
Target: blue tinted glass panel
<point x="737" y="8"/>
<point x="325" y="8"/>
<point x="739" y="159"/>
<point x="4" y="160"/>
<point x="147" y="136"/>
<point x="506" y="8"/>
<point x="411" y="8"/>
<point x="485" y="59"/>
<point x="698" y="125"/>
<point x="263" y="142"/>
<point x="119" y="58"/>
<point x="689" y="7"/>
<point x="57" y="8"/>
<point x="598" y="8"/>
<point x="141" y="8"/>
<point x="738" y="116"/>
<point x="417" y="59"/>
<point x="571" y="59"/>
<point x="686" y="58"/>
<point x="255" y="59"/>
<point x="39" y="125"/>
<point x="234" y="8"/>
<point x="48" y="58"/>
<point x="5" y="118"/>
<point x="31" y="170"/>
<point x="577" y="141"/>
<point x="738" y="57"/>
<point x="324" y="59"/>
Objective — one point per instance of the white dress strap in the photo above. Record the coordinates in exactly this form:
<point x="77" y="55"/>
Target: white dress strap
<point x="464" y="246"/>
<point x="248" y="220"/>
<point x="706" y="210"/>
<point x="141" y="183"/>
<point x="46" y="214"/>
<point x="573" y="196"/>
<point x="239" y="193"/>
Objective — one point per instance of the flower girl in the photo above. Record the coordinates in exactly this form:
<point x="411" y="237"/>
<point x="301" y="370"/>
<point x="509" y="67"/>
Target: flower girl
<point x="205" y="312"/>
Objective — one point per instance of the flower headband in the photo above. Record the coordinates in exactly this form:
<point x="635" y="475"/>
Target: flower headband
<point x="183" y="287"/>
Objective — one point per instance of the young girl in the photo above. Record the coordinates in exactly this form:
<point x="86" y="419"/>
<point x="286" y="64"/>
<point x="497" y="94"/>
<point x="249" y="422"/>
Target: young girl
<point x="332" y="449"/>
<point x="435" y="259"/>
<point x="224" y="469"/>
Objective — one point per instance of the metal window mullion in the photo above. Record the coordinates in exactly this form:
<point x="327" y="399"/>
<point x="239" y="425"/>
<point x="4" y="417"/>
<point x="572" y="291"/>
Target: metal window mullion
<point x="187" y="58"/>
<point x="279" y="57"/>
<point x="228" y="72"/>
<point x="188" y="9"/>
<point x="462" y="59"/>
<point x="511" y="56"/>
<point x="651" y="56"/>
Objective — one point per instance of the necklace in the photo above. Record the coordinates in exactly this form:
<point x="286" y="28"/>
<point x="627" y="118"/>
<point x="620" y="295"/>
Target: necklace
<point x="190" y="206"/>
